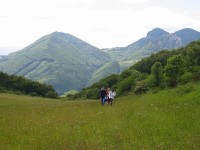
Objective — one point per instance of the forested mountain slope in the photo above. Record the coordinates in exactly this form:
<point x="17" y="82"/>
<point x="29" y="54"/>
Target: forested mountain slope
<point x="58" y="59"/>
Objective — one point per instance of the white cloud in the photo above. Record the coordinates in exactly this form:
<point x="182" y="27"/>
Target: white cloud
<point x="134" y="1"/>
<point x="102" y="23"/>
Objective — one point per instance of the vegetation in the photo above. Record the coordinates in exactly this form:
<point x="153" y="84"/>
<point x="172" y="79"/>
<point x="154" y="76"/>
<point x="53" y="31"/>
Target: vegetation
<point x="165" y="120"/>
<point x="68" y="63"/>
<point x="157" y="75"/>
<point x="159" y="119"/>
<point x="174" y="69"/>
<point x="20" y="85"/>
<point x="161" y="70"/>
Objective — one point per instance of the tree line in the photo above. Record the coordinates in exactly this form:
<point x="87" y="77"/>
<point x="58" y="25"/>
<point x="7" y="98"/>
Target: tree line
<point x="167" y="68"/>
<point x="20" y="85"/>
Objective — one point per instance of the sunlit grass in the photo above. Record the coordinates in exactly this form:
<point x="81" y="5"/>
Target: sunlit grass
<point x="166" y="120"/>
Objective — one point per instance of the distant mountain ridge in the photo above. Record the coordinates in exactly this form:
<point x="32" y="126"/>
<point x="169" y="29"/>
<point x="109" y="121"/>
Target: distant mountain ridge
<point x="156" y="40"/>
<point x="1" y="56"/>
<point x="68" y="63"/>
<point x="58" y="59"/>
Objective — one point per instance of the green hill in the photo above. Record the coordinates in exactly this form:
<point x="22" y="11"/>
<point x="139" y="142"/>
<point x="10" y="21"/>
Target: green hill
<point x="165" y="120"/>
<point x="106" y="70"/>
<point x="165" y="69"/>
<point x="58" y="59"/>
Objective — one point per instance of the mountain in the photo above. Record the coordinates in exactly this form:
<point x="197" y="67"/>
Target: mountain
<point x="155" y="40"/>
<point x="58" y="59"/>
<point x="187" y="35"/>
<point x="156" y="33"/>
<point x="139" y="78"/>
<point x="1" y="56"/>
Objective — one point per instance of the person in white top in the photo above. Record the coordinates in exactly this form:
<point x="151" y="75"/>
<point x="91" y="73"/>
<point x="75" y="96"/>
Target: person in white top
<point x="111" y="95"/>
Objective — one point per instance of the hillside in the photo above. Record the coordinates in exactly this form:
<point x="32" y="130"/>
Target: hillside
<point x="68" y="63"/>
<point x="155" y="40"/>
<point x="164" y="120"/>
<point x="106" y="70"/>
<point x="1" y="56"/>
<point x="58" y="59"/>
<point x="164" y="69"/>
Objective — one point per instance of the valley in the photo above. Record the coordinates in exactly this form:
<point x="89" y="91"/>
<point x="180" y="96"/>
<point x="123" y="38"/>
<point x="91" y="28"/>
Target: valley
<point x="68" y="63"/>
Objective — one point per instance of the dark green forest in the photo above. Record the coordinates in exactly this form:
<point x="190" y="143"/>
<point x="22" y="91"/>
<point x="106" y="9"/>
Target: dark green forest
<point x="165" y="69"/>
<point x="20" y="85"/>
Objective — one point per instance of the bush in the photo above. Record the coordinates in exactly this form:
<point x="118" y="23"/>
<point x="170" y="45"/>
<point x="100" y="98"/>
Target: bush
<point x="126" y="73"/>
<point x="33" y="94"/>
<point x="183" y="89"/>
<point x="2" y="90"/>
<point x="51" y="95"/>
<point x="141" y="87"/>
<point x="157" y="74"/>
<point x="155" y="90"/>
<point x="196" y="73"/>
<point x="125" y="86"/>
<point x="17" y="92"/>
<point x="186" y="77"/>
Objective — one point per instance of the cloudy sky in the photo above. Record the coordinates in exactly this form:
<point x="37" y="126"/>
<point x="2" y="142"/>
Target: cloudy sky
<point x="102" y="23"/>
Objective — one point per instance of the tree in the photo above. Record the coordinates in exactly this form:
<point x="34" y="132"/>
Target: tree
<point x="190" y="59"/>
<point x="157" y="74"/>
<point x="51" y="94"/>
<point x="174" y="69"/>
<point x="126" y="73"/>
<point x="125" y="86"/>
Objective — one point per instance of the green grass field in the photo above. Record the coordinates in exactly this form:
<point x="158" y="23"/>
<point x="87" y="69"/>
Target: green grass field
<point x="165" y="120"/>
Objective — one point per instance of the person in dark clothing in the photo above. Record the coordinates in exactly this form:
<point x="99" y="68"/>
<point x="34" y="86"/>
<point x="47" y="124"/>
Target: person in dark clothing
<point x="102" y="95"/>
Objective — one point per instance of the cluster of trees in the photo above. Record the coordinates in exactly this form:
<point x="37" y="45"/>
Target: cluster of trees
<point x="163" y="69"/>
<point x="21" y="85"/>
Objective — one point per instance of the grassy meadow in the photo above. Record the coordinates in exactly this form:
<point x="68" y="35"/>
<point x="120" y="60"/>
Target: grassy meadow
<point x="169" y="119"/>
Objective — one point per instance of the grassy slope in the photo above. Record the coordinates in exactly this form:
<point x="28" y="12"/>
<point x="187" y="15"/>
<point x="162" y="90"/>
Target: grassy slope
<point x="166" y="120"/>
<point x="106" y="70"/>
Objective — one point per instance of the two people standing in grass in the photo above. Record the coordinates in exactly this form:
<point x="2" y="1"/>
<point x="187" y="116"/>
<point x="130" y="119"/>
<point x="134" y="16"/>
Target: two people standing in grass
<point x="107" y="95"/>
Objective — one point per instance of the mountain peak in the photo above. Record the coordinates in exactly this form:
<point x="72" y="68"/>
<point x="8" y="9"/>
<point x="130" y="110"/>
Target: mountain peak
<point x="58" y="59"/>
<point x="187" y="35"/>
<point x="186" y="31"/>
<point x="157" y="32"/>
<point x="62" y="34"/>
<point x="57" y="34"/>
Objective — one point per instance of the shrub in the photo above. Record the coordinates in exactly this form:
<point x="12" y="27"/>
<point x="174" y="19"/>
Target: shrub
<point x="125" y="86"/>
<point x="183" y="89"/>
<point x="196" y="73"/>
<point x="126" y="73"/>
<point x="155" y="90"/>
<point x="17" y="92"/>
<point x="174" y="69"/>
<point x="157" y="74"/>
<point x="33" y="94"/>
<point x="2" y="90"/>
<point x="51" y="95"/>
<point x="141" y="87"/>
<point x="186" y="77"/>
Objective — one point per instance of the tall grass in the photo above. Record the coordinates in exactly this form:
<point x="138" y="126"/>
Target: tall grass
<point x="165" y="120"/>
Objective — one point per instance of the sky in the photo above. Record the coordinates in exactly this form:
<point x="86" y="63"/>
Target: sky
<point x="101" y="23"/>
